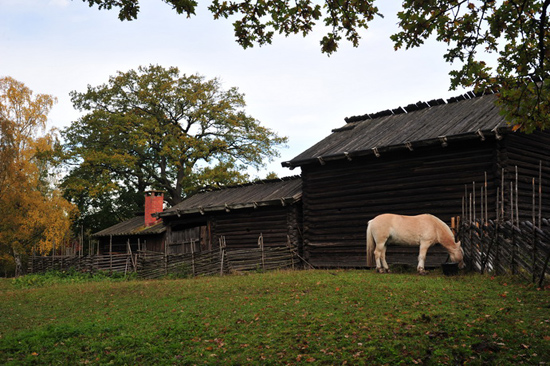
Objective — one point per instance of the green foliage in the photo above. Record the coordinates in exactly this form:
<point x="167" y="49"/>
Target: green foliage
<point x="473" y="30"/>
<point x="152" y="128"/>
<point x="319" y="317"/>
<point x="130" y="8"/>
<point x="518" y="32"/>
<point x="51" y="278"/>
<point x="260" y="20"/>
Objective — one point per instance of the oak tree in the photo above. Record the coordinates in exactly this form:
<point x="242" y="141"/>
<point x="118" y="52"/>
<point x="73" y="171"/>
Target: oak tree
<point x="154" y="128"/>
<point x="34" y="216"/>
<point x="517" y="32"/>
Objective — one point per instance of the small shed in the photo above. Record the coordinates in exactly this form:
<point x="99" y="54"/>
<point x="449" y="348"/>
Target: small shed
<point x="422" y="158"/>
<point x="142" y="232"/>
<point x="241" y="214"/>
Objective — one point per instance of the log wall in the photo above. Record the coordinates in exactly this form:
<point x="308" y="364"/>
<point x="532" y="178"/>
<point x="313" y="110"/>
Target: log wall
<point x="531" y="155"/>
<point x="242" y="228"/>
<point x="278" y="226"/>
<point x="119" y="243"/>
<point x="340" y="197"/>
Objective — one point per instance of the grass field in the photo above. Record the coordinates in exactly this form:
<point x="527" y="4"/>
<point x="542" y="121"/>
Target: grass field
<point x="318" y="317"/>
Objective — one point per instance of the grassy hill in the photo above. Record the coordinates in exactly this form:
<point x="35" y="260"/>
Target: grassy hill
<point x="319" y="317"/>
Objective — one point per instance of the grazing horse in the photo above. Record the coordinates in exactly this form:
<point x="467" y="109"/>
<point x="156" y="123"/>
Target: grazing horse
<point x="422" y="230"/>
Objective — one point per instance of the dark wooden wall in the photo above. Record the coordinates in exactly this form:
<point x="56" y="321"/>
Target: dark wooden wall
<point x="340" y="197"/>
<point x="188" y="233"/>
<point x="120" y="243"/>
<point x="242" y="228"/>
<point x="530" y="153"/>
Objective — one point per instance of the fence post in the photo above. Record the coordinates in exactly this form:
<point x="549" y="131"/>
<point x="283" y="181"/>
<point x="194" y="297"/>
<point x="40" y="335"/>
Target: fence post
<point x="111" y="253"/>
<point x="165" y="259"/>
<point x="261" y="244"/>
<point x="534" y="276"/>
<point x="544" y="267"/>
<point x="289" y="244"/>
<point x="53" y="254"/>
<point x="131" y="256"/>
<point x="222" y="253"/>
<point x="192" y="258"/>
<point x="513" y="256"/>
<point x="497" y="232"/>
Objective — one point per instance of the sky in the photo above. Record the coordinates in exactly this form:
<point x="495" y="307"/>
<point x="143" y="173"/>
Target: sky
<point x="59" y="46"/>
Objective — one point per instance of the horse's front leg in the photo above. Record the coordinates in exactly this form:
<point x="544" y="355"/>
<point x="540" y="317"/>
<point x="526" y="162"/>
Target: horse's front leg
<point x="422" y="258"/>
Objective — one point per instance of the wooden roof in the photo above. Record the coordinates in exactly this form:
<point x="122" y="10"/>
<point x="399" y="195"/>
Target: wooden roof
<point x="133" y="226"/>
<point x="275" y="192"/>
<point x="421" y="124"/>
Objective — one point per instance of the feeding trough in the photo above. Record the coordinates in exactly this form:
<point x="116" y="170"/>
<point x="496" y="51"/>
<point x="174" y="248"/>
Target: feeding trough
<point x="450" y="268"/>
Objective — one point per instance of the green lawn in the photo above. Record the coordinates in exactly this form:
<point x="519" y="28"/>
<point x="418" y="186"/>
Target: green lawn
<point x="319" y="317"/>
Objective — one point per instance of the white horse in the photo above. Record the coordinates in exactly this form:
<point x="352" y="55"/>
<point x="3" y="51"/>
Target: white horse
<point x="422" y="230"/>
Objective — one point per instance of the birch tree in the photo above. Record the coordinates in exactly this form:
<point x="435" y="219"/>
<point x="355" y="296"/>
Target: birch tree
<point x="34" y="216"/>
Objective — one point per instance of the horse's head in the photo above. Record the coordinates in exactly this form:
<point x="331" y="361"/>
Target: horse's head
<point x="457" y="255"/>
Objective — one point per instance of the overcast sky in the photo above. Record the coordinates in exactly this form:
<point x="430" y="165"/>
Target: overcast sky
<point x="57" y="46"/>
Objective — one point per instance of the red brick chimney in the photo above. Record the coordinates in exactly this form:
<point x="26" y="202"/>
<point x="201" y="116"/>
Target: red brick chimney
<point x="154" y="202"/>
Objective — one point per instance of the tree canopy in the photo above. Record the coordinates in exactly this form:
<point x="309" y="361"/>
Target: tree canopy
<point x="516" y="31"/>
<point x="154" y="128"/>
<point x="34" y="216"/>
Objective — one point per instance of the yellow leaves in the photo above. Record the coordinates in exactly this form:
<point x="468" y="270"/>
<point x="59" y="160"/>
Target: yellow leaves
<point x="34" y="213"/>
<point x="26" y="114"/>
<point x="516" y="127"/>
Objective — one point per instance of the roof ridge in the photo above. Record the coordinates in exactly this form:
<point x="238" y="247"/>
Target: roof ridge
<point x="247" y="184"/>
<point x="417" y="106"/>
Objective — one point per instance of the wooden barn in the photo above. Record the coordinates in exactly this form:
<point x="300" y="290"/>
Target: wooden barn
<point x="423" y="158"/>
<point x="240" y="214"/>
<point x="142" y="232"/>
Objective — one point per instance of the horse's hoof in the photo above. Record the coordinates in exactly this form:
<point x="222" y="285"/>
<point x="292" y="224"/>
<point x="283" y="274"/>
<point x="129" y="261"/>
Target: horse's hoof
<point x="388" y="270"/>
<point x="423" y="273"/>
<point x="380" y="270"/>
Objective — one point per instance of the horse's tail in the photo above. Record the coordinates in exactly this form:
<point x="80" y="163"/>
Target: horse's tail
<point x="370" y="246"/>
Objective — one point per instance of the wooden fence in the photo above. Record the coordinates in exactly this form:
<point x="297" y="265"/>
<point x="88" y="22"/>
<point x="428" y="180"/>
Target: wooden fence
<point x="112" y="263"/>
<point x="501" y="247"/>
<point x="155" y="264"/>
<point x="507" y="244"/>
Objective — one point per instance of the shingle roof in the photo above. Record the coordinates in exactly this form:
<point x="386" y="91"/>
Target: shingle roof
<point x="133" y="226"/>
<point x="416" y="125"/>
<point x="275" y="192"/>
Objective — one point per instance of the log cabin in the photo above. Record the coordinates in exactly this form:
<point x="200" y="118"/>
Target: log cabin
<point x="241" y="214"/>
<point x="142" y="232"/>
<point x="429" y="157"/>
